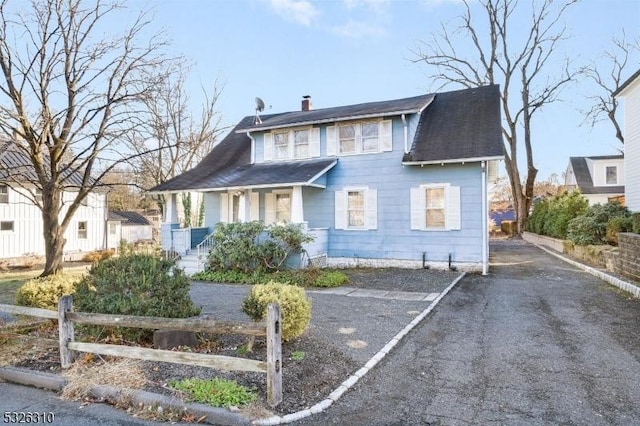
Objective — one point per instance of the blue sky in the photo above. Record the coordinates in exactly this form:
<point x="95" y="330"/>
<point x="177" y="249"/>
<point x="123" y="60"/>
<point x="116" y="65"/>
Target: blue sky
<point x="350" y="51"/>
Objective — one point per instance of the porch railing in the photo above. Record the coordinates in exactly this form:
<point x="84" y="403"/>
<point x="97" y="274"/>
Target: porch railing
<point x="202" y="249"/>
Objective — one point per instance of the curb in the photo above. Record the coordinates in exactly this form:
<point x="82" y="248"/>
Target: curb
<point x="353" y="379"/>
<point x="621" y="284"/>
<point x="113" y="395"/>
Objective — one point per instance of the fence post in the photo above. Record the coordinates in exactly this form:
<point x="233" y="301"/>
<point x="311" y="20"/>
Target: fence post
<point x="65" y="330"/>
<point x="274" y="355"/>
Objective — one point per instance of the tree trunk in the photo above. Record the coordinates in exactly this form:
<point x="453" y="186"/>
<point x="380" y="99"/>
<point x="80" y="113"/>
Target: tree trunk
<point x="53" y="232"/>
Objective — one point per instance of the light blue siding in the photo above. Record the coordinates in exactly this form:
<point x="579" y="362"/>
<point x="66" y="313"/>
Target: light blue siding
<point x="384" y="172"/>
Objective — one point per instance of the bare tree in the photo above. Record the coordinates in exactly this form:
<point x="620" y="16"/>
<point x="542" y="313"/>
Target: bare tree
<point x="608" y="73"/>
<point x="69" y="96"/>
<point x="179" y="138"/>
<point x="506" y="52"/>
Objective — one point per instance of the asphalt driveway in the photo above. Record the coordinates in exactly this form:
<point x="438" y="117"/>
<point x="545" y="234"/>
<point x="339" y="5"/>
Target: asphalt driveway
<point x="535" y="342"/>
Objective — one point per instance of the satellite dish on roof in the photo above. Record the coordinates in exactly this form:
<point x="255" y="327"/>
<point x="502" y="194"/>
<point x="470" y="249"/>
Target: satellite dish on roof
<point x="259" y="108"/>
<point x="259" y="105"/>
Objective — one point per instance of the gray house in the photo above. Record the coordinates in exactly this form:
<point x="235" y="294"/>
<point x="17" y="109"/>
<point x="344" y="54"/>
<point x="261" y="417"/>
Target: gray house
<point x="599" y="178"/>
<point x="391" y="183"/>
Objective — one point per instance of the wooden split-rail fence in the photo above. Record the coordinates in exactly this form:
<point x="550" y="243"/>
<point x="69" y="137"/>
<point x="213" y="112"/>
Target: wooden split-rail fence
<point x="272" y="330"/>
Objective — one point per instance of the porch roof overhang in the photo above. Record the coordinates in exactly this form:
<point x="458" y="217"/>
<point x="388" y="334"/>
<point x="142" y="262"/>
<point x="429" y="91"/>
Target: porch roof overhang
<point x="262" y="175"/>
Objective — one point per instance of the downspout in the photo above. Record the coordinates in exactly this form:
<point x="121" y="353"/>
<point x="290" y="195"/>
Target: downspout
<point x="406" y="134"/>
<point x="253" y="148"/>
<point x="485" y="213"/>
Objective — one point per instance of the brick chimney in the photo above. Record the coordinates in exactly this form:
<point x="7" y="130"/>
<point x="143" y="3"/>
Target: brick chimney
<point x="306" y="103"/>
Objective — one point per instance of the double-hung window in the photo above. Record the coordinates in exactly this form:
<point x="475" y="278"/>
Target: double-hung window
<point x="366" y="137"/>
<point x="370" y="137"/>
<point x="347" y="139"/>
<point x="356" y="208"/>
<point x="611" y="175"/>
<point x="4" y="194"/>
<point x="283" y="207"/>
<point x="435" y="207"/>
<point x="292" y="144"/>
<point x="301" y="144"/>
<point x="82" y="230"/>
<point x="281" y="145"/>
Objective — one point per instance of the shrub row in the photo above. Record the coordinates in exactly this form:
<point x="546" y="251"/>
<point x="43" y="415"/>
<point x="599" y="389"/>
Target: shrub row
<point x="310" y="277"/>
<point x="568" y="216"/>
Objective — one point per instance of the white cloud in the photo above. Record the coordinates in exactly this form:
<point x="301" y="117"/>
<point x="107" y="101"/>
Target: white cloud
<point x="359" y="29"/>
<point x="431" y="4"/>
<point x="299" y="11"/>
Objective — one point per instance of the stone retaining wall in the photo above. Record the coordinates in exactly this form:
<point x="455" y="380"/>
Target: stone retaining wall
<point x="628" y="261"/>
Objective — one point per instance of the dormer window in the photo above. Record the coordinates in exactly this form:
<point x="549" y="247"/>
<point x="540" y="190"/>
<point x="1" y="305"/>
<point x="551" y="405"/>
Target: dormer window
<point x="301" y="143"/>
<point x="367" y="137"/>
<point x="611" y="175"/>
<point x="292" y="144"/>
<point x="281" y="145"/>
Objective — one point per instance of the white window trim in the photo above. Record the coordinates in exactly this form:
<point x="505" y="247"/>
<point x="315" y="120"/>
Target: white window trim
<point x="617" y="175"/>
<point x="385" y="135"/>
<point x="452" y="209"/>
<point x="313" y="144"/>
<point x="370" y="208"/>
<point x="271" y="214"/>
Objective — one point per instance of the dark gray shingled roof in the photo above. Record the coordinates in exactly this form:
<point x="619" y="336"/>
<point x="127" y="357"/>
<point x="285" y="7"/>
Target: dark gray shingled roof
<point x="16" y="166"/>
<point x="583" y="176"/>
<point x="128" y="218"/>
<point x="459" y="125"/>
<point x="228" y="166"/>
<point x="341" y="113"/>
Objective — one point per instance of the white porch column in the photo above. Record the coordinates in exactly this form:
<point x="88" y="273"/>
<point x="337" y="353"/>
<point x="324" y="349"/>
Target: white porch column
<point x="170" y="209"/>
<point x="246" y="208"/>
<point x="297" y="211"/>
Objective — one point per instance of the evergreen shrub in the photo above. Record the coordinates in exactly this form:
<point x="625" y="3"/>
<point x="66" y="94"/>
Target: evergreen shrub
<point x="295" y="306"/>
<point x="135" y="284"/>
<point x="46" y="291"/>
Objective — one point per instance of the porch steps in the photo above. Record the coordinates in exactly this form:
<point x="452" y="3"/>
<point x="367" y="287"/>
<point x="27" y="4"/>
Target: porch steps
<point x="189" y="262"/>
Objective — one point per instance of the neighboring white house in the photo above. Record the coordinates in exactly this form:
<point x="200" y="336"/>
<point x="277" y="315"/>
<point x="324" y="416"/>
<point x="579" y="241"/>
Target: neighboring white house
<point x="21" y="229"/>
<point x="630" y="92"/>
<point x="599" y="178"/>
<point x="129" y="226"/>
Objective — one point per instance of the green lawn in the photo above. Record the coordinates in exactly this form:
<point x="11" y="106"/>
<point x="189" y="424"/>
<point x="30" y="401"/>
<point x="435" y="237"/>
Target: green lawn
<point x="10" y="282"/>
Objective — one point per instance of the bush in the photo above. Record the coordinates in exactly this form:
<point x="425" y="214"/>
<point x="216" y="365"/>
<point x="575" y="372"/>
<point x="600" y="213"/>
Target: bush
<point x="594" y="230"/>
<point x="551" y="217"/>
<point x="615" y="225"/>
<point x="135" y="284"/>
<point x="331" y="279"/>
<point x="584" y="230"/>
<point x="45" y="292"/>
<point x="98" y="255"/>
<point x="635" y="218"/>
<point x="250" y="246"/>
<point x="295" y="306"/>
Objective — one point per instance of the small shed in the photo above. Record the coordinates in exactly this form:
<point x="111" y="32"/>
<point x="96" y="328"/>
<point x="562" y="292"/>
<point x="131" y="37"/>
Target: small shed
<point x="129" y="226"/>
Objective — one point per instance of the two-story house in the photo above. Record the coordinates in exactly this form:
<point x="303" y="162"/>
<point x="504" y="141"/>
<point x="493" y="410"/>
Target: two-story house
<point x="392" y="183"/>
<point x="599" y="178"/>
<point x="630" y="92"/>
<point x="21" y="227"/>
